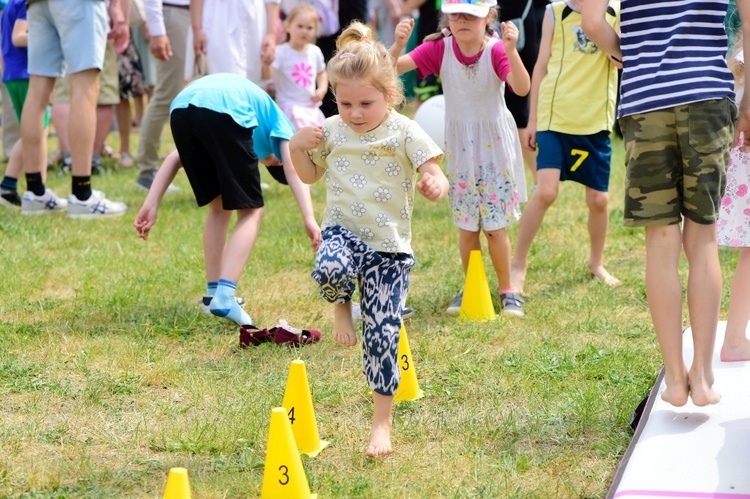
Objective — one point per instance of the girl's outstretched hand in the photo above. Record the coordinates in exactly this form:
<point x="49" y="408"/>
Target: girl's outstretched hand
<point x="510" y="35"/>
<point x="307" y="138"/>
<point x="430" y="188"/>
<point x="403" y="32"/>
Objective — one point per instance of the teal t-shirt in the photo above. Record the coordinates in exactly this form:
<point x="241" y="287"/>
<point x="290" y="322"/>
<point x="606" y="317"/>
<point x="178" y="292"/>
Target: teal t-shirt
<point x="245" y="102"/>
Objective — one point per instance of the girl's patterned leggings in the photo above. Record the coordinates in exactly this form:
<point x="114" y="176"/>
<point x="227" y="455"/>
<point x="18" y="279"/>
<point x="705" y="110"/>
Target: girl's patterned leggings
<point x="383" y="280"/>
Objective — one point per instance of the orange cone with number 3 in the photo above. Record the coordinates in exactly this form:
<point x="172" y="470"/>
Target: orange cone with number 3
<point x="408" y="386"/>
<point x="283" y="476"/>
<point x="178" y="484"/>
<point x="299" y="409"/>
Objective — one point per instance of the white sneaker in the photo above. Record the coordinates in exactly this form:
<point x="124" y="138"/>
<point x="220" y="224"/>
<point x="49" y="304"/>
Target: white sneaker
<point x="97" y="206"/>
<point x="47" y="203"/>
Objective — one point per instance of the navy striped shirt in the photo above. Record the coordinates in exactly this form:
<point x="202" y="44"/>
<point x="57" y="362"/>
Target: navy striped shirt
<point x="673" y="54"/>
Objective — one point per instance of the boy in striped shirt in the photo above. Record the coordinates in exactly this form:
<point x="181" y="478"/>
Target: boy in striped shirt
<point x="678" y="117"/>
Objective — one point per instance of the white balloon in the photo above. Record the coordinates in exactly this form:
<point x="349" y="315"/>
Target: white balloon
<point x="431" y="117"/>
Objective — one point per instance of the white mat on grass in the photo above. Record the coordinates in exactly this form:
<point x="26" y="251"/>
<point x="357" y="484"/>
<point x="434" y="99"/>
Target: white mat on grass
<point x="689" y="451"/>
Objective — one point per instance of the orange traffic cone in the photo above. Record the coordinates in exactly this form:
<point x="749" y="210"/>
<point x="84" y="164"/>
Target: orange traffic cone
<point x="299" y="408"/>
<point x="408" y="387"/>
<point x="178" y="484"/>
<point x="283" y="476"/>
<point x="477" y="301"/>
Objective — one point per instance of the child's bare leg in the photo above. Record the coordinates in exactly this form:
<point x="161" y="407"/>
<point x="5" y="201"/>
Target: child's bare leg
<point x="380" y="437"/>
<point x="214" y="235"/>
<point x="344" y="330"/>
<point x="704" y="301"/>
<point x="498" y="244"/>
<point x="664" y="292"/>
<point x="736" y="345"/>
<point x="548" y="182"/>
<point x="468" y="241"/>
<point x="597" y="202"/>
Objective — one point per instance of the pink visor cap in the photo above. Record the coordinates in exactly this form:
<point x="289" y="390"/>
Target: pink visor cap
<point x="476" y="8"/>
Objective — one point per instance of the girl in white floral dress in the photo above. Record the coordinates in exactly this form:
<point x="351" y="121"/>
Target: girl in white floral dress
<point x="733" y="229"/>
<point x="370" y="157"/>
<point x="484" y="162"/>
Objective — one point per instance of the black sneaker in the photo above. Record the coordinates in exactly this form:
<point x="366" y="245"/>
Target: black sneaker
<point x="10" y="198"/>
<point x="143" y="182"/>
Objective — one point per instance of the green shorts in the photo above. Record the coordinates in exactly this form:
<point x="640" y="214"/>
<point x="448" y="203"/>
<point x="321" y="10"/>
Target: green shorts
<point x="676" y="162"/>
<point x="17" y="89"/>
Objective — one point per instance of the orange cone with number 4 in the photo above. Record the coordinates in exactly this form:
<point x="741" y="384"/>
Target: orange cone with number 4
<point x="299" y="409"/>
<point x="477" y="301"/>
<point x="283" y="476"/>
<point x="178" y="484"/>
<point x="408" y="386"/>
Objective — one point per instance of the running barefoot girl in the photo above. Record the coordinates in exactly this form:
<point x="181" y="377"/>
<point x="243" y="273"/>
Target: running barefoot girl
<point x="370" y="156"/>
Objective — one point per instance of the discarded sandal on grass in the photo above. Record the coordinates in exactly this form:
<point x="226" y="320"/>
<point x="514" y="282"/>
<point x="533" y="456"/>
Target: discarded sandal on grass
<point x="284" y="333"/>
<point x="251" y="335"/>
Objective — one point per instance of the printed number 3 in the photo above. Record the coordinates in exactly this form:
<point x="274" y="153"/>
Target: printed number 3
<point x="285" y="473"/>
<point x="405" y="359"/>
<point x="582" y="155"/>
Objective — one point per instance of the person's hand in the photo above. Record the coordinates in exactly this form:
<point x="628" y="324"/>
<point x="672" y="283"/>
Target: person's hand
<point x="145" y="219"/>
<point x="313" y="232"/>
<point x="510" y="35"/>
<point x="271" y="160"/>
<point x="268" y="49"/>
<point x="160" y="47"/>
<point x="429" y="187"/>
<point x="119" y="31"/>
<point x="742" y="131"/>
<point x="318" y="95"/>
<point x="307" y="138"/>
<point x="403" y="32"/>
<point x="199" y="41"/>
<point x="528" y="140"/>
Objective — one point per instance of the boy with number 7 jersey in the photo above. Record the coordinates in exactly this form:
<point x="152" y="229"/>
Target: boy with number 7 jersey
<point x="572" y="111"/>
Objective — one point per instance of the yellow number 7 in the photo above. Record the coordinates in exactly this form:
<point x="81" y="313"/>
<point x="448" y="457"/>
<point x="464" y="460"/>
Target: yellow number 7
<point x="582" y="155"/>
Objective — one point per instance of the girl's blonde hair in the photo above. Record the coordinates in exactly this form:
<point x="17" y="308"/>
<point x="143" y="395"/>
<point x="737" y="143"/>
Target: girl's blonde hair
<point x="359" y="57"/>
<point x="444" y="26"/>
<point x="303" y="8"/>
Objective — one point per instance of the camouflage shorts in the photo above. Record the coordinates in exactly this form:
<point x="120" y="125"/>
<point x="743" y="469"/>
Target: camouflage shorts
<point x="676" y="162"/>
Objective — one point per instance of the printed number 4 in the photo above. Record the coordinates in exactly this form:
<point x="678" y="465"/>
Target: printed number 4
<point x="582" y="155"/>
<point x="291" y="415"/>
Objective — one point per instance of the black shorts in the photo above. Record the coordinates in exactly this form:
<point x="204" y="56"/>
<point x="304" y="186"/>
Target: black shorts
<point x="218" y="157"/>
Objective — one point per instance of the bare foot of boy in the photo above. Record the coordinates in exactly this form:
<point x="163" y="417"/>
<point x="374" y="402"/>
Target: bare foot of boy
<point x="517" y="277"/>
<point x="343" y="325"/>
<point x="735" y="353"/>
<point x="676" y="392"/>
<point x="380" y="440"/>
<point x="601" y="273"/>
<point x="701" y="392"/>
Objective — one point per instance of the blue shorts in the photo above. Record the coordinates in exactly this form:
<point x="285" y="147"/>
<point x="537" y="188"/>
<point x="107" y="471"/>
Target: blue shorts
<point x="66" y="32"/>
<point x="582" y="158"/>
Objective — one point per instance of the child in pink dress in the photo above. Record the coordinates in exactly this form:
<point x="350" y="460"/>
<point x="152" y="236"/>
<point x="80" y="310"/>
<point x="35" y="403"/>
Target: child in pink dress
<point x="733" y="229"/>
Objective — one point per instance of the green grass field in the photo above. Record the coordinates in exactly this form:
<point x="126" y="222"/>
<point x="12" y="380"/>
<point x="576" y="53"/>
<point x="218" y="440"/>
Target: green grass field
<point x="110" y="374"/>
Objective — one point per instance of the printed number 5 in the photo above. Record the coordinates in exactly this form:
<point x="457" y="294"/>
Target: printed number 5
<point x="582" y="155"/>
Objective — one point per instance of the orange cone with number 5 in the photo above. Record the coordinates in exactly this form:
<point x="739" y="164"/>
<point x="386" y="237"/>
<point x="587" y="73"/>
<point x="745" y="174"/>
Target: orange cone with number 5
<point x="408" y="386"/>
<point x="283" y="476"/>
<point x="299" y="409"/>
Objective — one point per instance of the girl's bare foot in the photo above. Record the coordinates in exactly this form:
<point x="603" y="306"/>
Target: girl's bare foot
<point x="701" y="392"/>
<point x="343" y="325"/>
<point x="735" y="353"/>
<point x="380" y="440"/>
<point x="677" y="390"/>
<point x="601" y="273"/>
<point x="517" y="277"/>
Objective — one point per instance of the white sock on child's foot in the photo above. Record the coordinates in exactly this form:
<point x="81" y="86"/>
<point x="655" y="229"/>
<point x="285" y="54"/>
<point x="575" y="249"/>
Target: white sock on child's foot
<point x="224" y="304"/>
